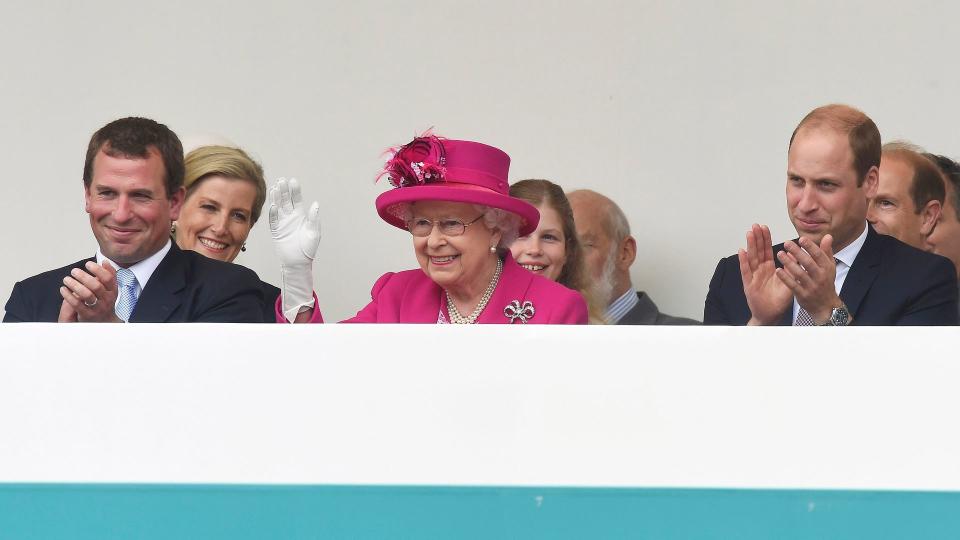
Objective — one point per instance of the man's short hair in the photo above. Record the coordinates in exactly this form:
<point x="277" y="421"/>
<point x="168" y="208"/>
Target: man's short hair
<point x="927" y="183"/>
<point x="615" y="222"/>
<point x="132" y="138"/>
<point x="862" y="133"/>
<point x="951" y="173"/>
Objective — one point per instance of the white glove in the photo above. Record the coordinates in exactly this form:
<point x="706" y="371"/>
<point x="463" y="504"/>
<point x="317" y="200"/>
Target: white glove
<point x="296" y="237"/>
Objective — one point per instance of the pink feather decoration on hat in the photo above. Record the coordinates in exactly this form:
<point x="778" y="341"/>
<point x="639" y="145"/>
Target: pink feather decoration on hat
<point x="418" y="162"/>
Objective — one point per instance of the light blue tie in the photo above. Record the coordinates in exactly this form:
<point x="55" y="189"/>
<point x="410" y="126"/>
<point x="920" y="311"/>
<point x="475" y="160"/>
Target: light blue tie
<point x="126" y="293"/>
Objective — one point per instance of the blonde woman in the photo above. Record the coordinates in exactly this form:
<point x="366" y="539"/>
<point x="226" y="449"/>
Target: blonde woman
<point x="225" y="194"/>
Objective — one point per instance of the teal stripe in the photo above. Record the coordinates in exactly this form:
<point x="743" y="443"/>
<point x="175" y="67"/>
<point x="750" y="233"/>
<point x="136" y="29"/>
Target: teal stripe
<point x="167" y="511"/>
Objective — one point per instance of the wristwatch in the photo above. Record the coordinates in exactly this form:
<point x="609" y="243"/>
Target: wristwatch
<point x="839" y="316"/>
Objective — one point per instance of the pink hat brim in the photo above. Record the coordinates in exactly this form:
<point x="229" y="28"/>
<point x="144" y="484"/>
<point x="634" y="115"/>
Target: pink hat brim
<point x="456" y="193"/>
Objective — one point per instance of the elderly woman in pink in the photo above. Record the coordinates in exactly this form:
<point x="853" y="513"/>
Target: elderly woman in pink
<point x="453" y="198"/>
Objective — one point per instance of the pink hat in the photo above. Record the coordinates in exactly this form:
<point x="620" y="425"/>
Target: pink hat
<point x="433" y="169"/>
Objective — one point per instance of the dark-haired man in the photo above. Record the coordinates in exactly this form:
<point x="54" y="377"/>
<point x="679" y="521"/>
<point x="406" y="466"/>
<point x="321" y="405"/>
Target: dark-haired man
<point x="840" y="271"/>
<point x="945" y="238"/>
<point x="909" y="196"/>
<point x="133" y="190"/>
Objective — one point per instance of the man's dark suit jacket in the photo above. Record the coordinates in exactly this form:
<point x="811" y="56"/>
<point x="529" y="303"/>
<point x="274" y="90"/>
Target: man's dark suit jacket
<point x="890" y="283"/>
<point x="185" y="287"/>
<point x="270" y="294"/>
<point x="646" y="312"/>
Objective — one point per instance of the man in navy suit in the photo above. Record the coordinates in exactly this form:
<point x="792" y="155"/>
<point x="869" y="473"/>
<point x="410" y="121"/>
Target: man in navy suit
<point x="133" y="190"/>
<point x="839" y="271"/>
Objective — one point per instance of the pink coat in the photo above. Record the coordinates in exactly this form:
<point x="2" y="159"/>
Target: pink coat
<point x="412" y="297"/>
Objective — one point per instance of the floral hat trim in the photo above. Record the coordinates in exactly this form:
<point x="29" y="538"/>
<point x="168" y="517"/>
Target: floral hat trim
<point x="423" y="160"/>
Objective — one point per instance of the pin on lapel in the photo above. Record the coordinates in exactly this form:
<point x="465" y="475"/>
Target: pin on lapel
<point x="515" y="310"/>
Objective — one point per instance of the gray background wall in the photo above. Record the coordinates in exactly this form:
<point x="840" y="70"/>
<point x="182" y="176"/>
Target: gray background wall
<point x="680" y="111"/>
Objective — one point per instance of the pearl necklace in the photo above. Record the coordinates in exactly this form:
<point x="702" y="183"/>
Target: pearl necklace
<point x="457" y="318"/>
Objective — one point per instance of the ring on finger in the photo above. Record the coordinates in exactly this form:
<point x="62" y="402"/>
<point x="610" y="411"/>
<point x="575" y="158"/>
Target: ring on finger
<point x="91" y="304"/>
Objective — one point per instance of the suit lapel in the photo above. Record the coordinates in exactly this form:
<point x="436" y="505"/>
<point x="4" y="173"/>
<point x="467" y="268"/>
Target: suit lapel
<point x="422" y="304"/>
<point x="645" y="312"/>
<point x="513" y="285"/>
<point x="864" y="271"/>
<point x="161" y="296"/>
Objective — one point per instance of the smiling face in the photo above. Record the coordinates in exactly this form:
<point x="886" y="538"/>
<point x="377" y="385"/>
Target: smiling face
<point x="130" y="213"/>
<point x="822" y="193"/>
<point x="463" y="265"/>
<point x="892" y="210"/>
<point x="216" y="217"/>
<point x="544" y="251"/>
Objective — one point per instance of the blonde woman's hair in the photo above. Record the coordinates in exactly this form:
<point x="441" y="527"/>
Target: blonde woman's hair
<point x="207" y="161"/>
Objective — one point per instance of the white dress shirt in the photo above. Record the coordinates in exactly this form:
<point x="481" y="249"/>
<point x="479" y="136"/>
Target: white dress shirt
<point x="142" y="270"/>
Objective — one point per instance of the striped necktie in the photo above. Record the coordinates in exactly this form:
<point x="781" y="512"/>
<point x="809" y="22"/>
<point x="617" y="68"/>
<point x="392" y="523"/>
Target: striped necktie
<point x="126" y="293"/>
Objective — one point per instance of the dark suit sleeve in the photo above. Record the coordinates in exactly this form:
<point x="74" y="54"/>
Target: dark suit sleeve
<point x="271" y="296"/>
<point x="714" y="310"/>
<point x="236" y="297"/>
<point x="936" y="303"/>
<point x="16" y="310"/>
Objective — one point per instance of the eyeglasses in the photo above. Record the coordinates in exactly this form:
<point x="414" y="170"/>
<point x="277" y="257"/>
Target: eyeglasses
<point x="448" y="227"/>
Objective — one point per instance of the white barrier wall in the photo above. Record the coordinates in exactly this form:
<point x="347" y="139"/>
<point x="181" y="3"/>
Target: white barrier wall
<point x="681" y="111"/>
<point x="818" y="408"/>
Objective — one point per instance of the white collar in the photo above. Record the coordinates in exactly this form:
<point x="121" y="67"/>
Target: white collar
<point x="143" y="269"/>
<point x="848" y="254"/>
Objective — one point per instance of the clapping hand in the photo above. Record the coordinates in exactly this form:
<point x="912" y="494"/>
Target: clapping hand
<point x="89" y="296"/>
<point x="810" y="272"/>
<point x="768" y="297"/>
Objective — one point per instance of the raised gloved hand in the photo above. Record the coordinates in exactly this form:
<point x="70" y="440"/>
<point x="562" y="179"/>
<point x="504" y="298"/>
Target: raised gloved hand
<point x="296" y="236"/>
